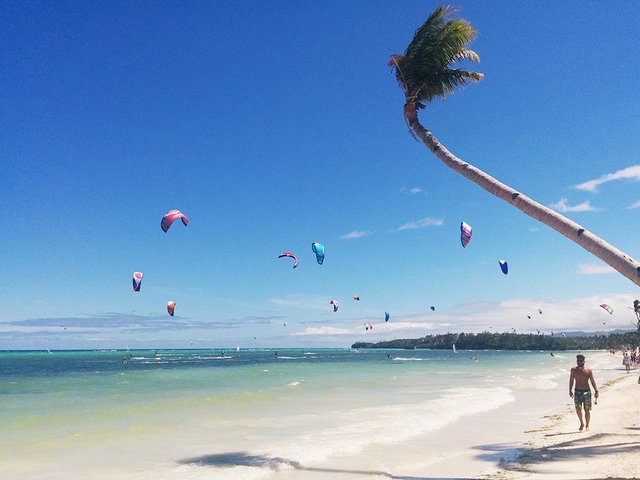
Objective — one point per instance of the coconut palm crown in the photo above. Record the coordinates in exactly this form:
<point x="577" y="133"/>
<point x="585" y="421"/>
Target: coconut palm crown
<point x="425" y="72"/>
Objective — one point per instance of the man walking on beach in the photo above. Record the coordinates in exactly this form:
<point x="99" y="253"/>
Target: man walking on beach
<point x="582" y="376"/>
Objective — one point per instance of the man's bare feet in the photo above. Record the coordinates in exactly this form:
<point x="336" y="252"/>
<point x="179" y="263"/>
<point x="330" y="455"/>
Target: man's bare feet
<point x="581" y="428"/>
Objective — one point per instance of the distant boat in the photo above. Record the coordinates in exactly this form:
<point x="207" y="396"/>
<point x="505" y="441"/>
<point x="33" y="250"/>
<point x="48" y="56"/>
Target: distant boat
<point x="454" y="348"/>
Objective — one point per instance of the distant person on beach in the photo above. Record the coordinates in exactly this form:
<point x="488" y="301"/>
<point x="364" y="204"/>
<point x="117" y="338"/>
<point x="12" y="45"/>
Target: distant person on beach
<point x="581" y="376"/>
<point x="626" y="361"/>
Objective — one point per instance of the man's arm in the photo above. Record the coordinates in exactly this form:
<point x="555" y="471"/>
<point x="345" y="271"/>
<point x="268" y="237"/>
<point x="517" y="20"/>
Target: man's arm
<point x="572" y="377"/>
<point x="593" y="382"/>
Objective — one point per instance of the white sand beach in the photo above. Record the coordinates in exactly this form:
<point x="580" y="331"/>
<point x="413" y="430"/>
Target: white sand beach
<point x="430" y="416"/>
<point x="609" y="449"/>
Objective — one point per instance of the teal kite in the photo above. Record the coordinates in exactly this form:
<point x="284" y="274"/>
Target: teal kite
<point x="318" y="249"/>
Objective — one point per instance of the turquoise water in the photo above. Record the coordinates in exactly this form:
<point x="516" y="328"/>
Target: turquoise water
<point x="85" y="412"/>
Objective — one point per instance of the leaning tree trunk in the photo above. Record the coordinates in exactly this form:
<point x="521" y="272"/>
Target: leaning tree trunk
<point x="617" y="259"/>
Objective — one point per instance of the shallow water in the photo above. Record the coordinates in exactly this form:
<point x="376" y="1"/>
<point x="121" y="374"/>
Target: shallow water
<point x="248" y="414"/>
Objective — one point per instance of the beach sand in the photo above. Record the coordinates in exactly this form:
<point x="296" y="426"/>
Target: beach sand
<point x="610" y="449"/>
<point x="517" y="422"/>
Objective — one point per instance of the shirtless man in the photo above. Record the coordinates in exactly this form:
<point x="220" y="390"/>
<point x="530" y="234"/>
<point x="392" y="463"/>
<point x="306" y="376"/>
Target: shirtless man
<point x="582" y="375"/>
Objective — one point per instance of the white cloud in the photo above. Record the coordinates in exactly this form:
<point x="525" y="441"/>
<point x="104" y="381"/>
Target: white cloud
<point x="411" y="191"/>
<point x="594" y="269"/>
<point x="629" y="173"/>
<point x="563" y="206"/>
<point x="355" y="234"/>
<point x="323" y="331"/>
<point x="423" y="223"/>
<point x="634" y="205"/>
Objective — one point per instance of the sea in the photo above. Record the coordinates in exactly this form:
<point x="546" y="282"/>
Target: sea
<point x="276" y="414"/>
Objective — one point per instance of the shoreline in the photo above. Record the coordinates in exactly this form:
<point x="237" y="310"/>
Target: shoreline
<point x="423" y="417"/>
<point x="609" y="449"/>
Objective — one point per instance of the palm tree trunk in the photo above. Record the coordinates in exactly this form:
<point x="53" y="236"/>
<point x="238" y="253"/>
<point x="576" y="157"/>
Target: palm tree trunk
<point x="617" y="259"/>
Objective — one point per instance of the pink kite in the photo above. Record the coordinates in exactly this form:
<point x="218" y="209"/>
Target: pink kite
<point x="465" y="234"/>
<point x="290" y="255"/>
<point x="170" y="217"/>
<point x="171" y="307"/>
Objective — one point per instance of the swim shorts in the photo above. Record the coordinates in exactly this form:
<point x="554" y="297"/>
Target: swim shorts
<point x="582" y="397"/>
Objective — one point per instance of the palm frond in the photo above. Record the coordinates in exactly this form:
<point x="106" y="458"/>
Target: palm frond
<point x="424" y="71"/>
<point x="468" y="55"/>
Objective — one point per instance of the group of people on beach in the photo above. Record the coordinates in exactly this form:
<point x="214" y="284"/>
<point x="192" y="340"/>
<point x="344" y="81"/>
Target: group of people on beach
<point x="629" y="360"/>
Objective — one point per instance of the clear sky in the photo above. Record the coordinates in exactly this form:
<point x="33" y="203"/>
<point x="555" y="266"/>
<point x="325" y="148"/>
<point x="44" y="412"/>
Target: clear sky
<point x="273" y="125"/>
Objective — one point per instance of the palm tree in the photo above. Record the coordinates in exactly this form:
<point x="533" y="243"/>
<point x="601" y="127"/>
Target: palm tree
<point x="426" y="72"/>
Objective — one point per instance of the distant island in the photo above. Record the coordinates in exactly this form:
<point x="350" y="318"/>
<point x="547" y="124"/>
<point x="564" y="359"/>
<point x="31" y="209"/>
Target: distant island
<point x="513" y="341"/>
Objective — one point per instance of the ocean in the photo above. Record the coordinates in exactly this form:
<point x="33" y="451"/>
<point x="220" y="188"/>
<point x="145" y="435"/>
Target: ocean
<point x="266" y="414"/>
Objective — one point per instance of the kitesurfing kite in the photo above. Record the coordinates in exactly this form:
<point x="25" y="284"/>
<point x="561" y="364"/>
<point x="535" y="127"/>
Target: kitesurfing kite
<point x="318" y="249"/>
<point x="335" y="305"/>
<point x="290" y="255"/>
<point x="386" y="316"/>
<point x="504" y="266"/>
<point x="607" y="308"/>
<point x="465" y="234"/>
<point x="356" y="298"/>
<point x="171" y="305"/>
<point x="433" y="308"/>
<point x="170" y="217"/>
<point x="137" y="280"/>
<point x="368" y="326"/>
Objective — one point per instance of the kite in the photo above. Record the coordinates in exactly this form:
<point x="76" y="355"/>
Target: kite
<point x="171" y="307"/>
<point x="290" y="255"/>
<point x="356" y="298"/>
<point x="137" y="280"/>
<point x="433" y="308"/>
<point x="465" y="234"/>
<point x="607" y="308"/>
<point x="335" y="305"/>
<point x="504" y="266"/>
<point x="368" y="326"/>
<point x="318" y="249"/>
<point x="170" y="217"/>
<point x="386" y="316"/>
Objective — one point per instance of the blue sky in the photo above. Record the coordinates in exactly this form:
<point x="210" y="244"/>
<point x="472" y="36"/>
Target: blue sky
<point x="273" y="125"/>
